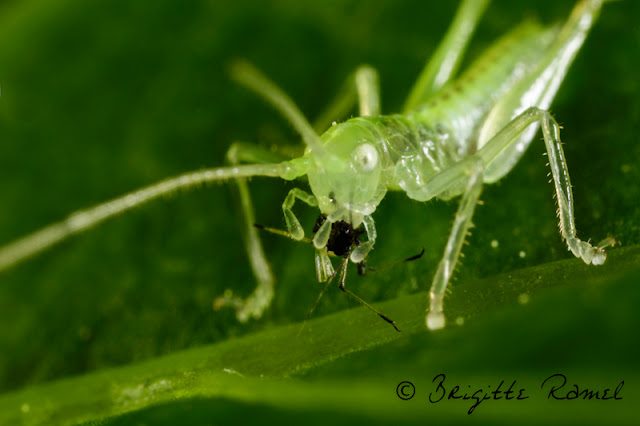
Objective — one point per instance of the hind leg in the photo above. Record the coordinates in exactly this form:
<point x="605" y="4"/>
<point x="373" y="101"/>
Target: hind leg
<point x="509" y="136"/>
<point x="445" y="61"/>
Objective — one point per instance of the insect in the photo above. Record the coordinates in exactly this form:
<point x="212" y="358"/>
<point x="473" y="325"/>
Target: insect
<point x="452" y="137"/>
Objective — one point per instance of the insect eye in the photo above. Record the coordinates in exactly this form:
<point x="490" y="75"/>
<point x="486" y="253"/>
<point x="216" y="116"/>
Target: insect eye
<point x="365" y="157"/>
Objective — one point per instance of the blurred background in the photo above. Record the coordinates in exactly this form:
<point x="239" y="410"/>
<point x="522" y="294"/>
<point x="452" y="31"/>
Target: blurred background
<point x="100" y="98"/>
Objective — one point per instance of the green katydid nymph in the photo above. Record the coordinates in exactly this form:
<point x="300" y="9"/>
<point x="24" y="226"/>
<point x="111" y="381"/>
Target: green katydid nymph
<point x="454" y="135"/>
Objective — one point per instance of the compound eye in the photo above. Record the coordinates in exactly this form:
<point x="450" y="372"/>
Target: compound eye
<point x="365" y="157"/>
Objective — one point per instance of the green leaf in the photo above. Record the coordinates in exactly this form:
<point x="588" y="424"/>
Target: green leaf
<point x="99" y="98"/>
<point x="250" y="370"/>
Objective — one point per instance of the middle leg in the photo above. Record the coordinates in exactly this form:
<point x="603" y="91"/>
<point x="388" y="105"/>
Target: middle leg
<point x="472" y="170"/>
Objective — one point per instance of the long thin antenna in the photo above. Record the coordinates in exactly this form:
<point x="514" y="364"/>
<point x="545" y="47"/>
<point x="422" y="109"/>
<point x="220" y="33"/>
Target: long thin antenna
<point x="82" y="220"/>
<point x="246" y="74"/>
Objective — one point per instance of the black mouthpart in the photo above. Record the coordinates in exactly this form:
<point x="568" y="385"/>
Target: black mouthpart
<point x="343" y="236"/>
<point x="342" y="239"/>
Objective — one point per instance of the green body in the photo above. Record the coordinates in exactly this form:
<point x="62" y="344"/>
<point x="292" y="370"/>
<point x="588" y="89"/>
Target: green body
<point x="414" y="146"/>
<point x="452" y="137"/>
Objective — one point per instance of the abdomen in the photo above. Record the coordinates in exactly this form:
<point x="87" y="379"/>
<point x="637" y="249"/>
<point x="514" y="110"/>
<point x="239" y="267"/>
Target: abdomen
<point x="416" y="146"/>
<point x="464" y="104"/>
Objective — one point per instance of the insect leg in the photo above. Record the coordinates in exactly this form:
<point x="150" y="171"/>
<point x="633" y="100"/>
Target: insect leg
<point x="293" y="224"/>
<point x="538" y="87"/>
<point x="472" y="170"/>
<point x="360" y="87"/>
<point x="444" y="63"/>
<point x="551" y="132"/>
<point x="260" y="299"/>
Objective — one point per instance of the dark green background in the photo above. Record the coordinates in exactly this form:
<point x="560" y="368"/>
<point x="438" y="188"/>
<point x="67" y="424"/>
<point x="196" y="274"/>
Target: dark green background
<point x="99" y="98"/>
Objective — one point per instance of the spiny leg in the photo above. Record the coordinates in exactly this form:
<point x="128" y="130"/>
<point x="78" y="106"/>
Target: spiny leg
<point x="445" y="61"/>
<point x="361" y="87"/>
<point x="82" y="220"/>
<point x="450" y="179"/>
<point x="260" y="299"/>
<point x="551" y="132"/>
<point x="538" y="87"/>
<point x="472" y="170"/>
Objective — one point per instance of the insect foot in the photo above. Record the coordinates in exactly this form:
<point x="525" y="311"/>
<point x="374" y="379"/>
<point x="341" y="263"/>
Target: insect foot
<point x="435" y="317"/>
<point x="588" y="253"/>
<point x="435" y="320"/>
<point x="251" y="307"/>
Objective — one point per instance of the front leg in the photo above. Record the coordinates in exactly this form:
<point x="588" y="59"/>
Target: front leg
<point x="254" y="305"/>
<point x="473" y="170"/>
<point x="293" y="224"/>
